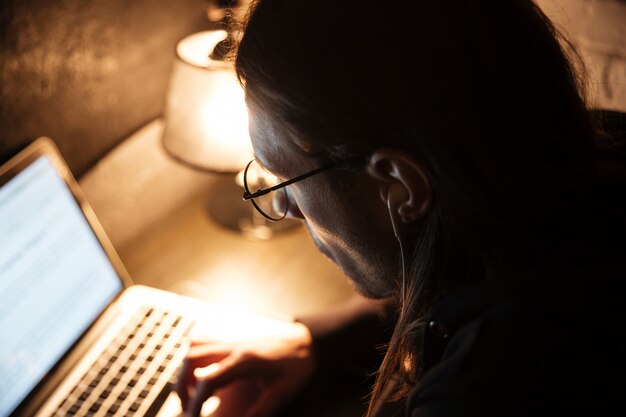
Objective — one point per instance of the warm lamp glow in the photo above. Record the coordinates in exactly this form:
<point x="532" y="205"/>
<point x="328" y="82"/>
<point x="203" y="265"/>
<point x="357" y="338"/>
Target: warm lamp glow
<point x="206" y="128"/>
<point x="206" y="121"/>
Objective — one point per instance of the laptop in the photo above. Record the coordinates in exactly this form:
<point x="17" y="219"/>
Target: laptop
<point x="78" y="337"/>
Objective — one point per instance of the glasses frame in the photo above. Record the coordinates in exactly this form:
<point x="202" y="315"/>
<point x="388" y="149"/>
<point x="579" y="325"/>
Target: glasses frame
<point x="250" y="196"/>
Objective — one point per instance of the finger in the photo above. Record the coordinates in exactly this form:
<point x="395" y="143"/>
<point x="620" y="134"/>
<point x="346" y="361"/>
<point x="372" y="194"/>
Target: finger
<point x="198" y="356"/>
<point x="185" y="380"/>
<point x="208" y="352"/>
<point x="216" y="376"/>
<point x="203" y="392"/>
<point x="202" y="340"/>
<point x="205" y="340"/>
<point x="206" y="372"/>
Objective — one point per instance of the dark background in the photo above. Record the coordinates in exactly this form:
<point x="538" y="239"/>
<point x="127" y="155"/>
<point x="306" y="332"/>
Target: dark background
<point x="87" y="73"/>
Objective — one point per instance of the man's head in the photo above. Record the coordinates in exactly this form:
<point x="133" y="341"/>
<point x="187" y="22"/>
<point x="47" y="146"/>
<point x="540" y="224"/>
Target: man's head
<point x="348" y="214"/>
<point x="469" y="107"/>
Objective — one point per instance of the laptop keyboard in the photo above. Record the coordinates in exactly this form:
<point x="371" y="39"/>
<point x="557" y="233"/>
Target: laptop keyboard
<point x="133" y="369"/>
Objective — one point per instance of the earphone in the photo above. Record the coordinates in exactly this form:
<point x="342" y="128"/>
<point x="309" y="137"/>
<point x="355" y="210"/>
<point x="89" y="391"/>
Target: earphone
<point x="395" y="195"/>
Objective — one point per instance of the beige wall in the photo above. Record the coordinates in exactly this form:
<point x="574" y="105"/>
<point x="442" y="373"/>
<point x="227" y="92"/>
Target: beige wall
<point x="598" y="28"/>
<point x="87" y="73"/>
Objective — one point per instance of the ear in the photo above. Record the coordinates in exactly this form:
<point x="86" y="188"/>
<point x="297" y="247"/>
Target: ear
<point x="403" y="183"/>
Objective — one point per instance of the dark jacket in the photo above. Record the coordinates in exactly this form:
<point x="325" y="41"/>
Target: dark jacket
<point x="548" y="342"/>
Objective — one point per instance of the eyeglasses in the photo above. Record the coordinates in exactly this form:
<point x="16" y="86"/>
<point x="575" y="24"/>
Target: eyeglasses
<point x="274" y="206"/>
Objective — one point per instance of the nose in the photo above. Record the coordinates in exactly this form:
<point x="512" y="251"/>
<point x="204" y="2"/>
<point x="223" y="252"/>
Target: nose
<point x="286" y="200"/>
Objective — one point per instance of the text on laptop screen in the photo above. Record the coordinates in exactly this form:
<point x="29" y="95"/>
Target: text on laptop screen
<point x="55" y="278"/>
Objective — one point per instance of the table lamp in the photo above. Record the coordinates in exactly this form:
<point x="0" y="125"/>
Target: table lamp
<point x="206" y="128"/>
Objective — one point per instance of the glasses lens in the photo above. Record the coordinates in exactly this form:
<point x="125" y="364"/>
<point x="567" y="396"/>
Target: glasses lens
<point x="273" y="205"/>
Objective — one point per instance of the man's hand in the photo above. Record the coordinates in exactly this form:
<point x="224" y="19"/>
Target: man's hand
<point x="280" y="364"/>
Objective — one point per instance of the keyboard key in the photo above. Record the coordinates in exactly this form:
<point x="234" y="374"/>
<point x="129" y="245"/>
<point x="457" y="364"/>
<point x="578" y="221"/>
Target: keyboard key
<point x="113" y="409"/>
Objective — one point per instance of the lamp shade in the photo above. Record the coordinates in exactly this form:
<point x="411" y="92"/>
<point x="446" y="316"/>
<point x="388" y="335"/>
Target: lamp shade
<point x="206" y="120"/>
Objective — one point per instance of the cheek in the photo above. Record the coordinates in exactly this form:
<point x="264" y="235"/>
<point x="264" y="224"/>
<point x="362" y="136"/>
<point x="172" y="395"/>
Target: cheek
<point x="355" y="235"/>
<point x="334" y="219"/>
<point x="317" y="206"/>
<point x="319" y="213"/>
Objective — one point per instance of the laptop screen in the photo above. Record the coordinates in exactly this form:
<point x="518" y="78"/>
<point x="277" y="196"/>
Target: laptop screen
<point x="55" y="278"/>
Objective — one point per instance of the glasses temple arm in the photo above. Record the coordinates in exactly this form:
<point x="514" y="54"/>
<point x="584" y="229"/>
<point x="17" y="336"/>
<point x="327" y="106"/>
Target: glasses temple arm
<point x="247" y="195"/>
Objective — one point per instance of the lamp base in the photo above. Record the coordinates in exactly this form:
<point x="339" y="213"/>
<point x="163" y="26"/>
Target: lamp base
<point x="227" y="208"/>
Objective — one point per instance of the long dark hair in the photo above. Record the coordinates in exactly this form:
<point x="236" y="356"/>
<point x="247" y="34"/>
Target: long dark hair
<point x="485" y="93"/>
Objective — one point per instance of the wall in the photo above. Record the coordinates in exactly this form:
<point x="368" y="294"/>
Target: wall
<point x="87" y="72"/>
<point x="598" y="29"/>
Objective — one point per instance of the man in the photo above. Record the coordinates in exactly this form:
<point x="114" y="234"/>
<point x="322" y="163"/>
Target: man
<point x="447" y="163"/>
